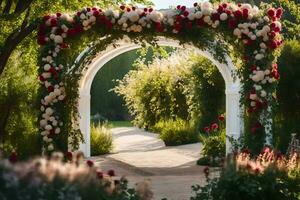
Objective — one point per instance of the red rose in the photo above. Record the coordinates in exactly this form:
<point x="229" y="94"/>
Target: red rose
<point x="189" y="25"/>
<point x="238" y="14"/>
<point x="41" y="78"/>
<point x="150" y="10"/>
<point x="272" y="34"/>
<point x="215" y="16"/>
<point x="54" y="22"/>
<point x="183" y="8"/>
<point x="206" y="129"/>
<point x="232" y="23"/>
<point x="273" y="44"/>
<point x="206" y="171"/>
<point x="200" y="22"/>
<point x="271" y="13"/>
<point x="128" y="9"/>
<point x="178" y="7"/>
<point x="90" y="163"/>
<point x="279" y="12"/>
<point x="50" y="88"/>
<point x="111" y="172"/>
<point x="145" y="9"/>
<point x="245" y="13"/>
<point x="195" y="4"/>
<point x="220" y="9"/>
<point x="46" y="17"/>
<point x="133" y="8"/>
<point x="214" y="126"/>
<point x="277" y="29"/>
<point x="41" y="40"/>
<point x="185" y="13"/>
<point x="221" y="118"/>
<point x="58" y="14"/>
<point x="159" y="27"/>
<point x="224" y="5"/>
<point x="96" y="13"/>
<point x="122" y="7"/>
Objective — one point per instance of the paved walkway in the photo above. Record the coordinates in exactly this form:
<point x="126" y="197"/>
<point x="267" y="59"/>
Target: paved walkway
<point x="140" y="155"/>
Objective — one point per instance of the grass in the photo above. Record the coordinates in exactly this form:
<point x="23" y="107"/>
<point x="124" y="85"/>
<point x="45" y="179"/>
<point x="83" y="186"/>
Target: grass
<point x="116" y="124"/>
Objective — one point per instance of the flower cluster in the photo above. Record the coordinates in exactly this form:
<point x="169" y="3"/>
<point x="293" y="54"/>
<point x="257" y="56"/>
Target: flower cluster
<point x="214" y="126"/>
<point x="245" y="22"/>
<point x="266" y="159"/>
<point x="72" y="180"/>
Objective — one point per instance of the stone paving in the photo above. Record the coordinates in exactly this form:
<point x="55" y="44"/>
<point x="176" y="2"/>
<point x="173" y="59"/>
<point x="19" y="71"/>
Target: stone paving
<point x="141" y="155"/>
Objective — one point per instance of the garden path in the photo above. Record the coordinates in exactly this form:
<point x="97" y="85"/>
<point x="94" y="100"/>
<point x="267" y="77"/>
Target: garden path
<point x="141" y="155"/>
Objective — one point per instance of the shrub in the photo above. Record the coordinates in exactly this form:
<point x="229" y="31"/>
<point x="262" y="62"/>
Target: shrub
<point x="270" y="176"/>
<point x="176" y="132"/>
<point x="214" y="143"/>
<point x="287" y="115"/>
<point x="54" y="179"/>
<point x="181" y="86"/>
<point x="101" y="140"/>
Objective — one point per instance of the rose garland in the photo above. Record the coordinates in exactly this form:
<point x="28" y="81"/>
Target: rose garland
<point x="260" y="35"/>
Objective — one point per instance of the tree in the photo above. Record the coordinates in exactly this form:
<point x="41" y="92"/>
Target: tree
<point x="25" y="15"/>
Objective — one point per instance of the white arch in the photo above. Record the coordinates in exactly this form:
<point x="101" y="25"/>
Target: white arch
<point x="234" y="122"/>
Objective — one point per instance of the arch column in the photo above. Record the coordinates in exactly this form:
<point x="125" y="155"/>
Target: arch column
<point x="234" y="122"/>
<point x="85" y="118"/>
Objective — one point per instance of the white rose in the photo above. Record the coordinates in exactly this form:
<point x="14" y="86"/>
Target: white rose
<point x="47" y="67"/>
<point x="133" y="16"/>
<point x="156" y="16"/>
<point x="61" y="97"/>
<point x="49" y="111"/>
<point x="58" y="39"/>
<point x="57" y="130"/>
<point x="263" y="45"/>
<point x="207" y="19"/>
<point x="253" y="103"/>
<point x="45" y="138"/>
<point x="191" y="16"/>
<point x="82" y="16"/>
<point x="50" y="147"/>
<point x="237" y="32"/>
<point x="198" y="15"/>
<point x="263" y="93"/>
<point x="51" y="119"/>
<point x="267" y="72"/>
<point x="206" y="5"/>
<point x="57" y="92"/>
<point x="43" y="133"/>
<point x="54" y="123"/>
<point x="259" y="56"/>
<point x="48" y="127"/>
<point x="223" y="16"/>
<point x="43" y="123"/>
<point x="85" y="23"/>
<point x="253" y="37"/>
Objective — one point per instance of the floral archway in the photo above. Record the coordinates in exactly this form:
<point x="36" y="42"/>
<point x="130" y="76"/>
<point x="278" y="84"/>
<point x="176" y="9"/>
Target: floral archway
<point x="251" y="37"/>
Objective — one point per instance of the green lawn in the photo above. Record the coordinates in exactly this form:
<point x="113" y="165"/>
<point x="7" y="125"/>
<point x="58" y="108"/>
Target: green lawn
<point x="116" y="124"/>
